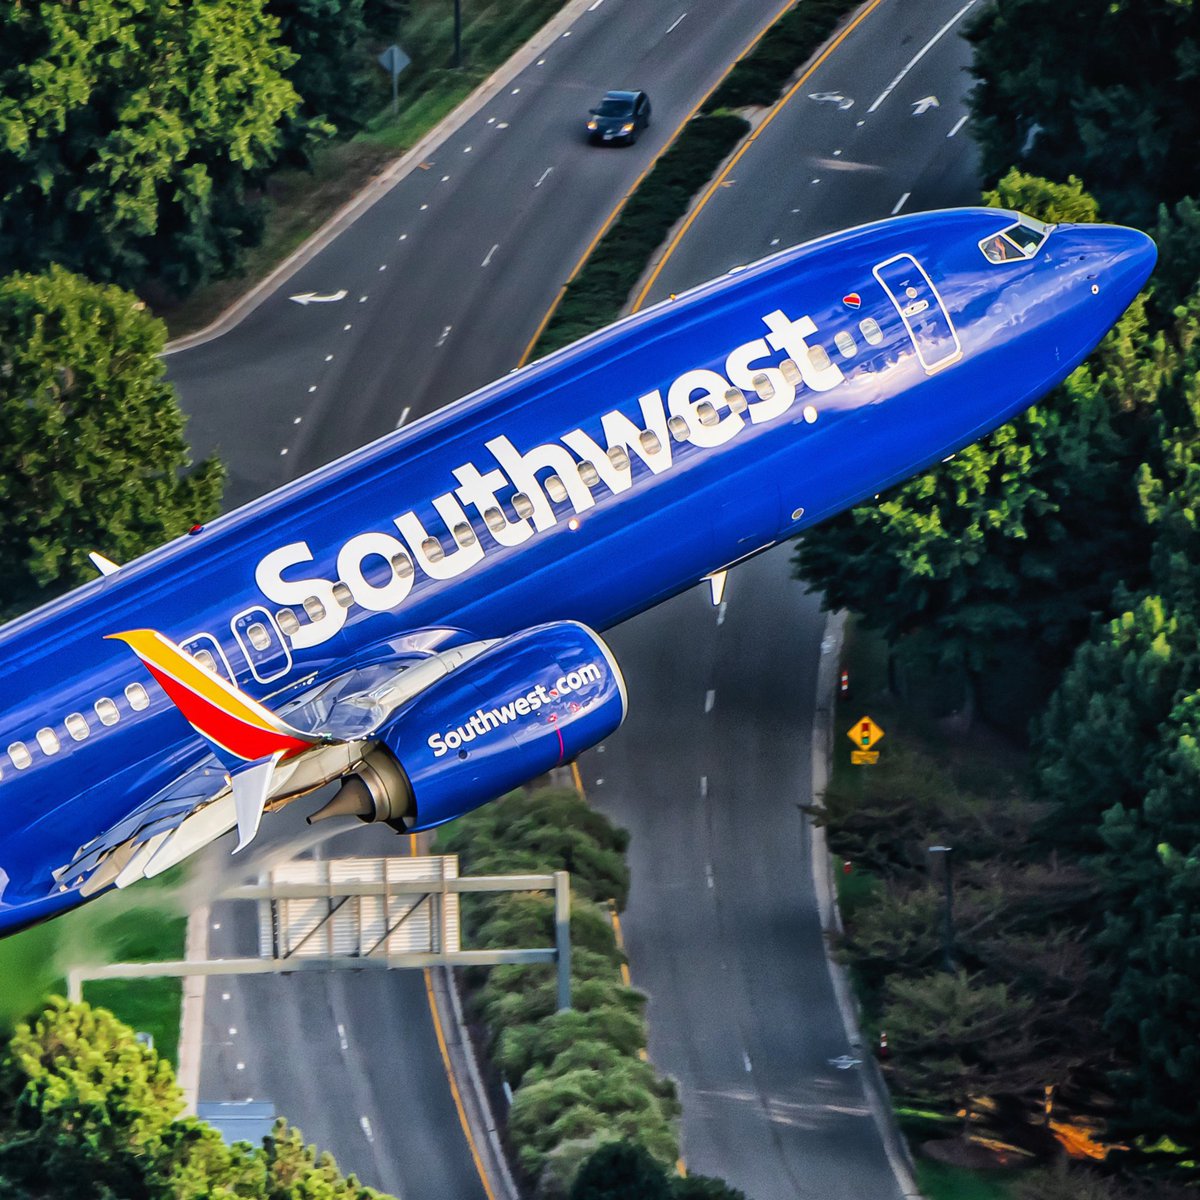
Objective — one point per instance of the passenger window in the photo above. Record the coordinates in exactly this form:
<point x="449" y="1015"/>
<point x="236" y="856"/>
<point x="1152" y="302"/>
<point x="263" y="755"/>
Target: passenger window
<point x="522" y="505"/>
<point x="260" y="639"/>
<point x="77" y="726"/>
<point x="432" y="549"/>
<point x="203" y="657"/>
<point x="137" y="696"/>
<point x="650" y="442"/>
<point x="790" y="372"/>
<point x="763" y="386"/>
<point x="402" y="565"/>
<point x="19" y="754"/>
<point x="845" y="344"/>
<point x="342" y="594"/>
<point x="493" y="518"/>
<point x="707" y="414"/>
<point x="678" y="427"/>
<point x="869" y="328"/>
<point x="312" y="606"/>
<point x="587" y="472"/>
<point x="619" y="458"/>
<point x="106" y="710"/>
<point x="48" y="740"/>
<point x="287" y="621"/>
<point x="818" y="358"/>
<point x="464" y="535"/>
<point x="555" y="488"/>
<point x="736" y="399"/>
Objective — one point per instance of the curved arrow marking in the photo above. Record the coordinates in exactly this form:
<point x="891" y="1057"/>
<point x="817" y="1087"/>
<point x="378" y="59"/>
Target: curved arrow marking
<point x="313" y="298"/>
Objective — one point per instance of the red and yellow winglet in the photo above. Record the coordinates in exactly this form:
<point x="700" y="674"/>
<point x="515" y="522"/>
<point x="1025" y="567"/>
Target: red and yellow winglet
<point x="216" y="709"/>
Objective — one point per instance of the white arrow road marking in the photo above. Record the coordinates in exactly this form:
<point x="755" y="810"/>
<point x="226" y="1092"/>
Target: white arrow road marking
<point x="922" y="106"/>
<point x="920" y="54"/>
<point x="312" y="297"/>
<point x="445" y="335"/>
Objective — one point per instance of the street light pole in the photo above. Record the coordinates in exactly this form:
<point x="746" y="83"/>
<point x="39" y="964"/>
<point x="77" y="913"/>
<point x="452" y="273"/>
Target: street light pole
<point x="948" y="909"/>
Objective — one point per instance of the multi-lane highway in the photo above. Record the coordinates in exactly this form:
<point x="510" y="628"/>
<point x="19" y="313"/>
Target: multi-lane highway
<point x="708" y="773"/>
<point x="446" y="278"/>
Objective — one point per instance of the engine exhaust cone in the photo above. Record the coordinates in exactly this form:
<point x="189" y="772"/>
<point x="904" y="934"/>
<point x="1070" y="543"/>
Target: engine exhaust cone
<point x="353" y="799"/>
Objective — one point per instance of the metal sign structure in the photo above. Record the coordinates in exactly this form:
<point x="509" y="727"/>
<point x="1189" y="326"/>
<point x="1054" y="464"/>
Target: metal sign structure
<point x="368" y="935"/>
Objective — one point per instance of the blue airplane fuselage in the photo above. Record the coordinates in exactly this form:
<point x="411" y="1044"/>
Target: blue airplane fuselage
<point x="588" y="486"/>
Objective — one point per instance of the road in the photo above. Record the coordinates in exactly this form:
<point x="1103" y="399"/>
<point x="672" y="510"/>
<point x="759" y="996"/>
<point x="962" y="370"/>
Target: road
<point x="447" y="278"/>
<point x="722" y="928"/>
<point x="449" y="274"/>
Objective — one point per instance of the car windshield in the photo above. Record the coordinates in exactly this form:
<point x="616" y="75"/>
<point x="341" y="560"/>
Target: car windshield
<point x="613" y="107"/>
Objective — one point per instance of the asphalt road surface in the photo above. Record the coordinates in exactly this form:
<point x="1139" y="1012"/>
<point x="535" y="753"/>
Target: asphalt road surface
<point x="722" y="928"/>
<point x="449" y="274"/>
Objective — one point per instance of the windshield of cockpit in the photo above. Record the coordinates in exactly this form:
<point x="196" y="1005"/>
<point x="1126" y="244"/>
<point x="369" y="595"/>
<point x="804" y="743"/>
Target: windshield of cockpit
<point x="1017" y="242"/>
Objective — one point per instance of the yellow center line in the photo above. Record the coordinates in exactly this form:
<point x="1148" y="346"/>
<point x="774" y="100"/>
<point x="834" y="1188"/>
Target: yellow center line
<point x="775" y="111"/>
<point x="458" y="1104"/>
<point x="612" y="216"/>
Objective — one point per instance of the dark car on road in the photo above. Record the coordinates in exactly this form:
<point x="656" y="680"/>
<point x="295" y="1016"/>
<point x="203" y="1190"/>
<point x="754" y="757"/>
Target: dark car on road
<point x="619" y="117"/>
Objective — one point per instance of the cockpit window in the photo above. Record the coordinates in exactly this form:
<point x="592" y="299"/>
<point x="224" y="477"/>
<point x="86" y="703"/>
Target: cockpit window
<point x="1016" y="243"/>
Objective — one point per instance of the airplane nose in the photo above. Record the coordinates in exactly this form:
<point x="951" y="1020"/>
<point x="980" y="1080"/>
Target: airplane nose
<point x="1123" y="259"/>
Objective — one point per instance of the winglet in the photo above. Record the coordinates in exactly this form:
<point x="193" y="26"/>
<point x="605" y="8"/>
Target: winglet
<point x="231" y="720"/>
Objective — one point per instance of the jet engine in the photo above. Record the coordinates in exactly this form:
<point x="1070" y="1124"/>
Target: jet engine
<point x="528" y="703"/>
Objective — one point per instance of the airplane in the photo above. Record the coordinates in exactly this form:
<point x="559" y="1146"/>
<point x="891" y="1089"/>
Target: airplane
<point x="417" y="621"/>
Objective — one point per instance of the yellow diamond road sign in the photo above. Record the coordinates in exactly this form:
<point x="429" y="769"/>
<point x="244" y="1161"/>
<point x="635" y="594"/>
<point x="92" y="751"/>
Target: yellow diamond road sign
<point x="864" y="733"/>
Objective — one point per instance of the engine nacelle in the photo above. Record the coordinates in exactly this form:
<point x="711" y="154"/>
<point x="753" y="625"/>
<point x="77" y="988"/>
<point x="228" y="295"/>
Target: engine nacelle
<point x="529" y="703"/>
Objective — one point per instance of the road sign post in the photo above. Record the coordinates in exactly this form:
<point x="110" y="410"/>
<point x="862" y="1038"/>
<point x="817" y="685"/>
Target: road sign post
<point x="394" y="60"/>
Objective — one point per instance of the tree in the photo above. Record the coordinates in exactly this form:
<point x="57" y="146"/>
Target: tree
<point x="91" y="436"/>
<point x="82" y="1104"/>
<point x="132" y="133"/>
<point x="1043" y="198"/>
<point x="703" y="1187"/>
<point x="621" y="1171"/>
<point x="1102" y="89"/>
<point x="953" y="1037"/>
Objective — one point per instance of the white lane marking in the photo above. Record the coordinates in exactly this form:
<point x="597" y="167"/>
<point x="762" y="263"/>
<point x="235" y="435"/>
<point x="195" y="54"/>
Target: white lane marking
<point x="595" y="4"/>
<point x="746" y="1062"/>
<point x="383" y="266"/>
<point x="922" y="106"/>
<point x="345" y="328"/>
<point x="541" y="62"/>
<point x="710" y="698"/>
<point x="362" y="299"/>
<point x="816" y="181"/>
<point x="901" y="202"/>
<point x="502" y="125"/>
<point x="365" y="1122"/>
<point x="216" y="924"/>
<point x="233" y="1031"/>
<point x="241" y="1066"/>
<point x="600" y="781"/>
<point x="329" y="358"/>
<point x="703" y="786"/>
<point x="466" y="149"/>
<point x="492" y="251"/>
<point x="342" y="1039"/>
<point x="312" y="389"/>
<point x="224" y="995"/>
<point x="283" y="452"/>
<point x="297" y="420"/>
<point x="721" y="612"/>
<point x="445" y="334"/>
<point x="675" y="23"/>
<point x="402" y="238"/>
<point x="837" y="154"/>
<point x="774" y="241"/>
<point x="920" y="54"/>
<point x="445" y="178"/>
<point x="708" y="875"/>
<point x="542" y="177"/>
<point x="567" y="34"/>
<point x="403" y="418"/>
<point x="958" y="125"/>
<point x="424" y="207"/>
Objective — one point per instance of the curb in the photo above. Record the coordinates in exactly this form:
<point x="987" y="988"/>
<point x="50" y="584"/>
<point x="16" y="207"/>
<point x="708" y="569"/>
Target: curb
<point x="874" y="1086"/>
<point x="499" y="1184"/>
<point x="191" y="1011"/>
<point x="384" y="182"/>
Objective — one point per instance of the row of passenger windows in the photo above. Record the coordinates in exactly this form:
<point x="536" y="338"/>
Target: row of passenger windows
<point x="77" y="726"/>
<point x="464" y="536"/>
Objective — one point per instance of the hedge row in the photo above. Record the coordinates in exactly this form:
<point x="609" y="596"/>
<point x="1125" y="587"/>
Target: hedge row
<point x="579" y="1077"/>
<point x="598" y="293"/>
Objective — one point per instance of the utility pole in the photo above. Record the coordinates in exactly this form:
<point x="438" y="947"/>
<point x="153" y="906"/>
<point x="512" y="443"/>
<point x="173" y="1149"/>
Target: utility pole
<point x="458" y="33"/>
<point x="948" y="908"/>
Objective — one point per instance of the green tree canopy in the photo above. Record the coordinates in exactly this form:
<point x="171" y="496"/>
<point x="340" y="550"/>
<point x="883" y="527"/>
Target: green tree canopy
<point x="130" y="131"/>
<point x="1103" y="89"/>
<point x="621" y="1171"/>
<point x="91" y="437"/>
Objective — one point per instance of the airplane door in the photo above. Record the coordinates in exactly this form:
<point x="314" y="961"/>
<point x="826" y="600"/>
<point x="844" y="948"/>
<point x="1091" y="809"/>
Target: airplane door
<point x="262" y="644"/>
<point x="922" y="311"/>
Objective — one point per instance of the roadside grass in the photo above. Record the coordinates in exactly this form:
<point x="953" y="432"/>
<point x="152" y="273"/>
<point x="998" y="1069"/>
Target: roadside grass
<point x="940" y="1181"/>
<point x="299" y="201"/>
<point x="139" y="926"/>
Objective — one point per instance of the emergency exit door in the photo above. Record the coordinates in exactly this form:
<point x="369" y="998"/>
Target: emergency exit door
<point x="922" y="311"/>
